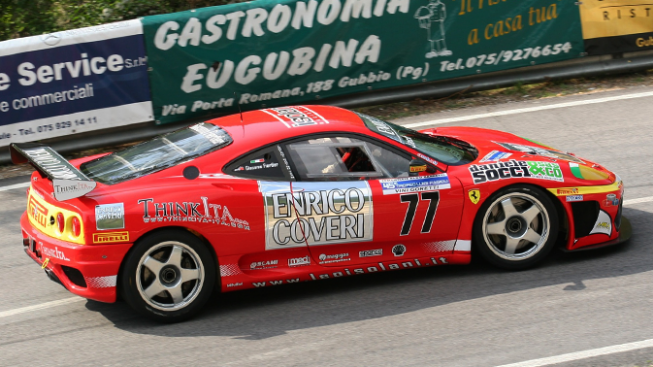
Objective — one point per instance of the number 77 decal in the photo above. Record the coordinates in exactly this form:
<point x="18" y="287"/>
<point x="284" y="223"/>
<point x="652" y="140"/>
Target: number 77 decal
<point x="413" y="200"/>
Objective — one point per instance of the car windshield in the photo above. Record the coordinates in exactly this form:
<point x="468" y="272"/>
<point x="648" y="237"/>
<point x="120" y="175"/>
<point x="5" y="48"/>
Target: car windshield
<point x="157" y="154"/>
<point x="450" y="151"/>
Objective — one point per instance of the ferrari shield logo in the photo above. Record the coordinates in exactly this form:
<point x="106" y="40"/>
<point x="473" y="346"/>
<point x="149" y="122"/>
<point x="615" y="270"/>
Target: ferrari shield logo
<point x="474" y="195"/>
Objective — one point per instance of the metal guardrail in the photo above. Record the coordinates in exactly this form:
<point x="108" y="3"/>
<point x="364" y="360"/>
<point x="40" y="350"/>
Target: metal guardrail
<point x="583" y="67"/>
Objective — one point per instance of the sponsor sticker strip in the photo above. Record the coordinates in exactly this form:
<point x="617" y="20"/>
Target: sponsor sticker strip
<point x="515" y="169"/>
<point x="370" y="253"/>
<point x="572" y="198"/>
<point x="198" y="212"/>
<point x="415" y="184"/>
<point x="111" y="237"/>
<point x="268" y="264"/>
<point x="407" y="264"/>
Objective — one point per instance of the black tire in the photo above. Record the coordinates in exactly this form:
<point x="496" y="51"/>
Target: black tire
<point x="151" y="266"/>
<point x="508" y="242"/>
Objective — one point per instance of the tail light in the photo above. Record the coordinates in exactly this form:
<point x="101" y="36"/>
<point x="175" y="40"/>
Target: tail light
<point x="60" y="222"/>
<point x="77" y="228"/>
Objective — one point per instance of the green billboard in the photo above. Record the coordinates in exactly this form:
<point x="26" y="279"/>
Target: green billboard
<point x="266" y="53"/>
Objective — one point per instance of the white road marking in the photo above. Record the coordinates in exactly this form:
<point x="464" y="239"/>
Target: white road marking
<point x="40" y="307"/>
<point x="16" y="186"/>
<point x="647" y="199"/>
<point x="569" y="357"/>
<point x="530" y="109"/>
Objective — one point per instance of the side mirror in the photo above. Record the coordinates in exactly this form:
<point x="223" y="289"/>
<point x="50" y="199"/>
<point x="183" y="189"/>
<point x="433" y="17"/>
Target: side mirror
<point x="416" y="166"/>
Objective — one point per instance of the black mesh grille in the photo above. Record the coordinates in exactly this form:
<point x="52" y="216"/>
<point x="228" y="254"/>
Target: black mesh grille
<point x="74" y="275"/>
<point x="585" y="214"/>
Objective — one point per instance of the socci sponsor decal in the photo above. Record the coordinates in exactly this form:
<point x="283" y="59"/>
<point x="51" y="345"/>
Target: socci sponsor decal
<point x="515" y="169"/>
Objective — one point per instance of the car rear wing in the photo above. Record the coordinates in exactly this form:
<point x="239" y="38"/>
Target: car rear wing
<point x="67" y="181"/>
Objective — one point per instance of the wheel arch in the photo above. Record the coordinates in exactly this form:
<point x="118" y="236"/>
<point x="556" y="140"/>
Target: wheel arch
<point x="563" y="217"/>
<point x="195" y="233"/>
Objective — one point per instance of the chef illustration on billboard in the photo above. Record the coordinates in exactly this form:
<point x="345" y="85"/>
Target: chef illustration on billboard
<point x="431" y="17"/>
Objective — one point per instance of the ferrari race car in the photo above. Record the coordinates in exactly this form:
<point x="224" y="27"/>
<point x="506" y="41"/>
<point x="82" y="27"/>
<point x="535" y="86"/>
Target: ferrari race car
<point x="292" y="194"/>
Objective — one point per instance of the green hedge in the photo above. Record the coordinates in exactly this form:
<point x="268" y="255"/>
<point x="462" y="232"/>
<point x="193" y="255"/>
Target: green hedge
<point x="22" y="18"/>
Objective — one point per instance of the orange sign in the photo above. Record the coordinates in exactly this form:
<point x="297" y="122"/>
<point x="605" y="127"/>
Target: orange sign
<point x="568" y="191"/>
<point x="418" y="168"/>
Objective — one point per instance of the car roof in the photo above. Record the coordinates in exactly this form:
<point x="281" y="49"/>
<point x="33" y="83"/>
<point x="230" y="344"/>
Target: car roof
<point x="265" y="126"/>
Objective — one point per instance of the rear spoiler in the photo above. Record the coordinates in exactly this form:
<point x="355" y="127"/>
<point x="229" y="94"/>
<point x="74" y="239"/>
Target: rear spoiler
<point x="68" y="182"/>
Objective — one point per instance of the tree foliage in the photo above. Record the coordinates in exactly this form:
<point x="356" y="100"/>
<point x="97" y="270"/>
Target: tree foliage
<point x="22" y="18"/>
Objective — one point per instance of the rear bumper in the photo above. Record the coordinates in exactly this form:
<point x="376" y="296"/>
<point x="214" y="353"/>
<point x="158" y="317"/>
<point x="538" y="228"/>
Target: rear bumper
<point x="89" y="271"/>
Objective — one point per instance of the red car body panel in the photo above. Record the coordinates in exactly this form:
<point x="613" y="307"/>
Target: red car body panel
<point x="229" y="212"/>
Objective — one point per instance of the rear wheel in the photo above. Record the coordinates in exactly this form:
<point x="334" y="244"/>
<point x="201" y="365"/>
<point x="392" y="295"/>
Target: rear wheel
<point x="516" y="228"/>
<point x="168" y="276"/>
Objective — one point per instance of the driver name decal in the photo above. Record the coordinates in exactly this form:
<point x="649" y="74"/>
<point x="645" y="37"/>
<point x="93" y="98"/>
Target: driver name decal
<point x="515" y="169"/>
<point x="316" y="214"/>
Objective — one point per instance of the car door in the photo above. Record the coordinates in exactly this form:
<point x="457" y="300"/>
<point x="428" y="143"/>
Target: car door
<point x="357" y="204"/>
<point x="270" y="168"/>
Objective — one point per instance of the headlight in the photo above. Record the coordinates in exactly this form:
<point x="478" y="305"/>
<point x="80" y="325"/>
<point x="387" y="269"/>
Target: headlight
<point x="587" y="173"/>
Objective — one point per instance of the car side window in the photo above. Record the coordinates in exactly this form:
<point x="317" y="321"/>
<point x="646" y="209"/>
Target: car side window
<point x="267" y="164"/>
<point x="345" y="158"/>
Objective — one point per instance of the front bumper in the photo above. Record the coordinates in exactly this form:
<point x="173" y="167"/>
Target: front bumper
<point x="594" y="215"/>
<point x="89" y="271"/>
<point x="625" y="233"/>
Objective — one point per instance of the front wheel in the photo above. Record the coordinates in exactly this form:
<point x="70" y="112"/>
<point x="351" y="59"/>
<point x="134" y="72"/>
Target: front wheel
<point x="516" y="228"/>
<point x="168" y="276"/>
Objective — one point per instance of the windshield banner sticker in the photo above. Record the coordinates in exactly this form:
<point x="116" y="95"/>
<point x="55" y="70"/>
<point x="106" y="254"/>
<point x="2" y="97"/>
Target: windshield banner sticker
<point x="296" y="116"/>
<point x="415" y="184"/>
<point x="515" y="169"/>
<point x="322" y="214"/>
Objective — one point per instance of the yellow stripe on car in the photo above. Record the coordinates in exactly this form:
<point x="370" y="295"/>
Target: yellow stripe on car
<point x="585" y="190"/>
<point x="42" y="215"/>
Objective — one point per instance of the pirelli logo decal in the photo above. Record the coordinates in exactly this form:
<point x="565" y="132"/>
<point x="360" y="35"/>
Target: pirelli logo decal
<point x="37" y="212"/>
<point x="110" y="237"/>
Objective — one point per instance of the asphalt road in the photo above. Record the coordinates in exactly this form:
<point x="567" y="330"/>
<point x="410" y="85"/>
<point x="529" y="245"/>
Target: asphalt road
<point x="452" y="316"/>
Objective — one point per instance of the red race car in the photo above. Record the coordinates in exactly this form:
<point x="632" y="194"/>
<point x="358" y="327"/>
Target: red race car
<point x="292" y="194"/>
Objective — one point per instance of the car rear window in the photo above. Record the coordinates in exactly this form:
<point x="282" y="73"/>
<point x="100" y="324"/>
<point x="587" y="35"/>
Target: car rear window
<point x="157" y="154"/>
